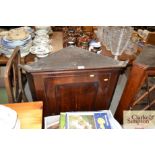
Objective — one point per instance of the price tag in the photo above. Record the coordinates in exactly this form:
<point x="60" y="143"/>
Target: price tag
<point x="81" y="67"/>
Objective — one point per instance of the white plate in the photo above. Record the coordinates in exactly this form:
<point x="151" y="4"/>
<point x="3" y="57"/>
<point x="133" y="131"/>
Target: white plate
<point x="41" y="32"/>
<point x="17" y="125"/>
<point x="41" y="55"/>
<point x="8" y="118"/>
<point x="40" y="50"/>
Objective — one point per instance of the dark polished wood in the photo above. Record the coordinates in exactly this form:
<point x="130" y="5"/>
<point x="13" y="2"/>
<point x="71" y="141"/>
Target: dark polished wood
<point x="135" y="80"/>
<point x="143" y="67"/>
<point x="27" y="59"/>
<point x="73" y="79"/>
<point x="3" y="60"/>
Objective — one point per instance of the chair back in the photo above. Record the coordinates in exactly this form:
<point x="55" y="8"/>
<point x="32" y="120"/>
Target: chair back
<point x="14" y="80"/>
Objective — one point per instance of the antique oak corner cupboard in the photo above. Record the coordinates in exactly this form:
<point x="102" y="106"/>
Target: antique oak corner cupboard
<point x="73" y="79"/>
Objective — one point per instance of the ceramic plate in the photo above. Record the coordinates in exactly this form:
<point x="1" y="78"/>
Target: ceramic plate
<point x="13" y="44"/>
<point x="40" y="50"/>
<point x="41" y="32"/>
<point x="8" y="118"/>
<point x="41" y="55"/>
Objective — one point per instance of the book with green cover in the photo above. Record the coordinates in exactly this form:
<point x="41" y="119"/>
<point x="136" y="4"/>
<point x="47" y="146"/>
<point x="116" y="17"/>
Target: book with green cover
<point x="62" y="120"/>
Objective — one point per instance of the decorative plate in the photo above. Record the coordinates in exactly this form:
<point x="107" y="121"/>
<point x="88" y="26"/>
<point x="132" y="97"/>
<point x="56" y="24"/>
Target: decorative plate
<point x="8" y="118"/>
<point x="40" y="49"/>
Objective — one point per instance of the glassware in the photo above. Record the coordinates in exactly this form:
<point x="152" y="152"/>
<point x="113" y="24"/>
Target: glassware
<point x="131" y="48"/>
<point x="119" y="37"/>
<point x="106" y="37"/>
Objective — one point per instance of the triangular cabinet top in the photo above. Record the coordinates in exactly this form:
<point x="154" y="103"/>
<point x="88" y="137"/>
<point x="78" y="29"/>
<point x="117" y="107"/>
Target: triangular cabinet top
<point x="72" y="58"/>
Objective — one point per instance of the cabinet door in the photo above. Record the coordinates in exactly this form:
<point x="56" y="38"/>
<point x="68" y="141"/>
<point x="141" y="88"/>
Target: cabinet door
<point x="78" y="92"/>
<point x="76" y="96"/>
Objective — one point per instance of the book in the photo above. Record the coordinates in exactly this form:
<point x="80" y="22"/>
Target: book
<point x="87" y="120"/>
<point x="82" y="120"/>
<point x="102" y="120"/>
<point x="51" y="122"/>
<point x="62" y="120"/>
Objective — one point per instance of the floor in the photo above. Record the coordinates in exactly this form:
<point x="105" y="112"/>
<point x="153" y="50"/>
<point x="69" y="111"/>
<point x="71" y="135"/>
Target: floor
<point x="3" y="96"/>
<point x="57" y="41"/>
<point x="118" y="92"/>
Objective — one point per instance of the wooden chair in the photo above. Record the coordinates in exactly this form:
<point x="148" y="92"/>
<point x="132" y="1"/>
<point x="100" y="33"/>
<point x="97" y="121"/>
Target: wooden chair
<point x="140" y="86"/>
<point x="14" y="79"/>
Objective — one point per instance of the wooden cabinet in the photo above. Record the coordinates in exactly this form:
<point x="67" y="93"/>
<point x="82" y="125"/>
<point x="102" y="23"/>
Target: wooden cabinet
<point x="73" y="79"/>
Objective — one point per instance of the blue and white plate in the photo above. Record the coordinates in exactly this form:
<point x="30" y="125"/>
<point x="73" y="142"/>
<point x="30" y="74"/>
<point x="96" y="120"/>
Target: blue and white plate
<point x="13" y="44"/>
<point x="24" y="50"/>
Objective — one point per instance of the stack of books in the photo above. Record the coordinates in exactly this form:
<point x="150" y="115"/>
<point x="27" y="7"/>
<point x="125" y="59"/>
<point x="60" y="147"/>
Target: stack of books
<point x="82" y="120"/>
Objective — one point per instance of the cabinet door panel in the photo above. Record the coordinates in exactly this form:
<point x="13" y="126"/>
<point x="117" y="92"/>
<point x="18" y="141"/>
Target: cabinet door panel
<point x="76" y="96"/>
<point x="77" y="92"/>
